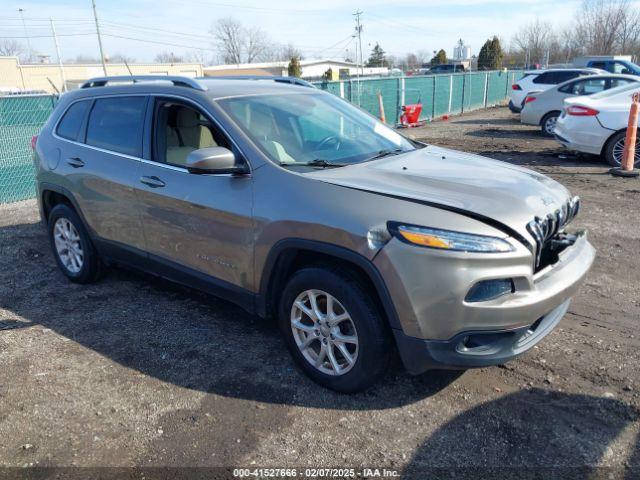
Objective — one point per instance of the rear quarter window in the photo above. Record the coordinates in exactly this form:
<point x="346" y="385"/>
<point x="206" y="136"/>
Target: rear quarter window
<point x="116" y="124"/>
<point x="71" y="122"/>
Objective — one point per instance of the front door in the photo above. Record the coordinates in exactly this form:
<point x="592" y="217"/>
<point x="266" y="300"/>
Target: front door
<point x="199" y="222"/>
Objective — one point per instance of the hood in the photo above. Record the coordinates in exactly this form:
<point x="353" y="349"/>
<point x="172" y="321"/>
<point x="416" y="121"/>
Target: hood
<point x="493" y="191"/>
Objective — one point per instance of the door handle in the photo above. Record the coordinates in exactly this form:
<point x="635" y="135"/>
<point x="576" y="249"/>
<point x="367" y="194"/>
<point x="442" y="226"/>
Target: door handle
<point x="75" y="162"/>
<point x="153" y="182"/>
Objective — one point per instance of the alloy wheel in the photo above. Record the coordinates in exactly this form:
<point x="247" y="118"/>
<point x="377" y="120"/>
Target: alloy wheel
<point x="550" y="125"/>
<point x="68" y="245"/>
<point x="324" y="332"/>
<point x="618" y="151"/>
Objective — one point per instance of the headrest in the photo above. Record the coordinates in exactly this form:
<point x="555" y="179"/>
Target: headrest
<point x="187" y="118"/>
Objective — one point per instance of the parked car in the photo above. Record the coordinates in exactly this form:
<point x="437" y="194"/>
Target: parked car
<point x="540" y="80"/>
<point x="293" y="203"/>
<point x="597" y="123"/>
<point x="445" y="69"/>
<point x="621" y="64"/>
<point x="544" y="108"/>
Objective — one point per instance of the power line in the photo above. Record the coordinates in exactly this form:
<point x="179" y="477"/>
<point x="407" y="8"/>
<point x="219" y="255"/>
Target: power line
<point x="49" y="36"/>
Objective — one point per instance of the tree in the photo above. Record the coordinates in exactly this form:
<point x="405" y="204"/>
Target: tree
<point x="238" y="44"/>
<point x="287" y="52"/>
<point x="439" y="58"/>
<point x="168" y="57"/>
<point x="229" y="35"/>
<point x="377" y="57"/>
<point x="120" y="58"/>
<point x="411" y="61"/>
<point x="11" y="48"/>
<point x="491" y="55"/>
<point x="535" y="41"/>
<point x="294" y="69"/>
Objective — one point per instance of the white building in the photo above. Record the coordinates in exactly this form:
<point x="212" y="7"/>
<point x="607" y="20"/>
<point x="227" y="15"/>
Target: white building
<point x="461" y="51"/>
<point x="312" y="69"/>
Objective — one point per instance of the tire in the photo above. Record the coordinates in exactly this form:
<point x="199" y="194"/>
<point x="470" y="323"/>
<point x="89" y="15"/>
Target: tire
<point x="370" y="356"/>
<point x="68" y="234"/>
<point x="548" y="123"/>
<point x="612" y="152"/>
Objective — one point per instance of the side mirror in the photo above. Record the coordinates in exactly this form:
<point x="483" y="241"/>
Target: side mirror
<point x="213" y="160"/>
<point x="625" y="71"/>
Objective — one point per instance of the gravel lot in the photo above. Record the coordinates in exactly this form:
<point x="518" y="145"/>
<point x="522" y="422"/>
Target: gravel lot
<point x="134" y="371"/>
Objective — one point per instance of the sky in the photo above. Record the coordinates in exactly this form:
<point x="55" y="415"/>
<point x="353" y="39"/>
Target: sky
<point x="320" y="29"/>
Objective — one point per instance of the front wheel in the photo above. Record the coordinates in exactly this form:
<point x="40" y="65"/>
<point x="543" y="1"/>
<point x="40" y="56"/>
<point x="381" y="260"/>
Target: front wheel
<point x="615" y="148"/>
<point x="334" y="329"/>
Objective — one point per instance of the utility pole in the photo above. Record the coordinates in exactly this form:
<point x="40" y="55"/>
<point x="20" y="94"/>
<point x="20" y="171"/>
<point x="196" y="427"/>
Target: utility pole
<point x="95" y="17"/>
<point x="26" y="35"/>
<point x="359" y="32"/>
<point x="360" y="65"/>
<point x="55" y="42"/>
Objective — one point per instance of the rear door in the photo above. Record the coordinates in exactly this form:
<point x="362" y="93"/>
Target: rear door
<point x="100" y="160"/>
<point x="198" y="224"/>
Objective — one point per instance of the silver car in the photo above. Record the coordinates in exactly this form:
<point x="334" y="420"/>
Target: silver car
<point x="544" y="107"/>
<point x="296" y="205"/>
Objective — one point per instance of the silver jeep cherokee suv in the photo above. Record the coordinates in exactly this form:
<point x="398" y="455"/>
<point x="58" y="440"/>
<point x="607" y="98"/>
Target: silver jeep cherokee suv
<point x="295" y="204"/>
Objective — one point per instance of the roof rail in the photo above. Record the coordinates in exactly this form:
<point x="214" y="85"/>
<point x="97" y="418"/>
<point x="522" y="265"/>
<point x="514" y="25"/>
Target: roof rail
<point x="274" y="78"/>
<point x="176" y="80"/>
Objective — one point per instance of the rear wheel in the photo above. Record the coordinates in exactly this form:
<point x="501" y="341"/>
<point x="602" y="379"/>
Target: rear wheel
<point x="548" y="123"/>
<point x="72" y="247"/>
<point x="615" y="148"/>
<point x="333" y="329"/>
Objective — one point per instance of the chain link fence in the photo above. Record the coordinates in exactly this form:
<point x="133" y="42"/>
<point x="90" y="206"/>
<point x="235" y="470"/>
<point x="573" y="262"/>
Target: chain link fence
<point x="439" y="94"/>
<point x="21" y="117"/>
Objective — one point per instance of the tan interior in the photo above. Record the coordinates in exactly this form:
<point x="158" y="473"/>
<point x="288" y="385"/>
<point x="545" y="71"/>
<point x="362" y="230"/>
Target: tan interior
<point x="188" y="135"/>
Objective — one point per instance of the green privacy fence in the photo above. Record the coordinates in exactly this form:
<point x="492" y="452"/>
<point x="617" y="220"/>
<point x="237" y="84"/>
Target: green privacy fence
<point x="21" y="117"/>
<point x="439" y="94"/>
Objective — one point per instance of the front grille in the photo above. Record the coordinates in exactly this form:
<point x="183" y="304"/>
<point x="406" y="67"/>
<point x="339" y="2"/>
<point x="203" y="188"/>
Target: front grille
<point x="548" y="233"/>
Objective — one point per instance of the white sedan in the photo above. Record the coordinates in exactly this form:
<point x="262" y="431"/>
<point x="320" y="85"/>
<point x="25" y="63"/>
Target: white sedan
<point x="597" y="123"/>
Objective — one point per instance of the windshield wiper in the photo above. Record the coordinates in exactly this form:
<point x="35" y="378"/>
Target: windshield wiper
<point x="386" y="153"/>
<point x="318" y="162"/>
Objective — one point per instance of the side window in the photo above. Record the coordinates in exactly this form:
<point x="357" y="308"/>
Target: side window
<point x="618" y="82"/>
<point x="600" y="65"/>
<point x="180" y="129"/>
<point x="619" y="67"/>
<point x="587" y="87"/>
<point x="69" y="126"/>
<point x="544" y="78"/>
<point x="117" y="123"/>
<point x="564" y="76"/>
<point x="569" y="88"/>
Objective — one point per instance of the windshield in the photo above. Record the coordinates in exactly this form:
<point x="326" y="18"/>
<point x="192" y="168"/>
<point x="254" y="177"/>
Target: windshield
<point x="314" y="129"/>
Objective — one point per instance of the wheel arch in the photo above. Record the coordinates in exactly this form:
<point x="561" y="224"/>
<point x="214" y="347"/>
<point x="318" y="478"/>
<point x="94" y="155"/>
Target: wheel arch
<point x="289" y="255"/>
<point x="52" y="195"/>
<point x="605" y="145"/>
<point x="542" y="119"/>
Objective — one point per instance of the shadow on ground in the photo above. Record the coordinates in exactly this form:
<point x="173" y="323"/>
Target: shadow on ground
<point x="531" y="434"/>
<point x="176" y="334"/>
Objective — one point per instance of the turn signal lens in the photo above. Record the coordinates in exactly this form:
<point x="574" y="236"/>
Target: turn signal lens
<point x="448" y="240"/>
